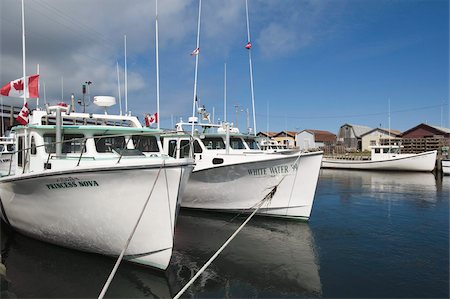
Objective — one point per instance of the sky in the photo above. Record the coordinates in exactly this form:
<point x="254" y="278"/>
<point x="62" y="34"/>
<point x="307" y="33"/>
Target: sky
<point x="316" y="64"/>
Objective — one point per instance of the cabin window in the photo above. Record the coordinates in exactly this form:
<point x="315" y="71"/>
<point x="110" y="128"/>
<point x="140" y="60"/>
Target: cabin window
<point x="385" y="150"/>
<point x="20" y="152"/>
<point x="184" y="148"/>
<point x="146" y="143"/>
<point x="373" y="142"/>
<point x="72" y="143"/>
<point x="252" y="144"/>
<point x="377" y="151"/>
<point x="172" y="148"/>
<point x="197" y="147"/>
<point x="108" y="144"/>
<point x="33" y="146"/>
<point x="10" y="147"/>
<point x="214" y="143"/>
<point x="236" y="143"/>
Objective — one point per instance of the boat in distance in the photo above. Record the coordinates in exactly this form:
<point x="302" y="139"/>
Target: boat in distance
<point x="446" y="166"/>
<point x="86" y="188"/>
<point x="387" y="157"/>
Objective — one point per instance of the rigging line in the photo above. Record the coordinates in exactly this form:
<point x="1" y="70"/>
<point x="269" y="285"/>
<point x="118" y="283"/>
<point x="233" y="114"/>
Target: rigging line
<point x="353" y="115"/>
<point x="79" y="24"/>
<point x="78" y="34"/>
<point x="202" y="269"/>
<point x="63" y="46"/>
<point x="116" y="266"/>
<point x="76" y="24"/>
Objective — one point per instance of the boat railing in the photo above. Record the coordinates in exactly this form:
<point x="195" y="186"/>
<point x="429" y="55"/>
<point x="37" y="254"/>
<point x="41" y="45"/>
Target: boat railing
<point x="120" y="151"/>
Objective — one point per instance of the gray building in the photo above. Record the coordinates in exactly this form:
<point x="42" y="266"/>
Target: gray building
<point x="350" y="136"/>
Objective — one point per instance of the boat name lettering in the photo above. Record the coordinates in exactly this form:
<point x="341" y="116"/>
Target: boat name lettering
<point x="72" y="184"/>
<point x="281" y="169"/>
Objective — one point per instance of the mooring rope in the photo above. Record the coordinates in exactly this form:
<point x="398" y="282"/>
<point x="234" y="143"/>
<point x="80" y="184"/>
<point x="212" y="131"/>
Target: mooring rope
<point x="202" y="269"/>
<point x="119" y="259"/>
<point x="293" y="184"/>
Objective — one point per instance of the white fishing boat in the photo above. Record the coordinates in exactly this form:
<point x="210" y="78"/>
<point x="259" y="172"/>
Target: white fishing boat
<point x="233" y="174"/>
<point x="80" y="182"/>
<point x="446" y="166"/>
<point x="386" y="157"/>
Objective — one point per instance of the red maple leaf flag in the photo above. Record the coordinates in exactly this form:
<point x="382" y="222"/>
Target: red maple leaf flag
<point x="15" y="88"/>
<point x="151" y="119"/>
<point x="22" y="118"/>
<point x="248" y="46"/>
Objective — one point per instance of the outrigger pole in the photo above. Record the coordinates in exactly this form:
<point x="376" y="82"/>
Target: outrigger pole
<point x="196" y="64"/>
<point x="251" y="68"/>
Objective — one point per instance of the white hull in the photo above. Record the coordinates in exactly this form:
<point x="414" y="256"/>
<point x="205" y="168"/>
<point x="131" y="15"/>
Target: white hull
<point x="446" y="167"/>
<point x="414" y="162"/>
<point x="242" y="185"/>
<point x="93" y="209"/>
<point x="5" y="164"/>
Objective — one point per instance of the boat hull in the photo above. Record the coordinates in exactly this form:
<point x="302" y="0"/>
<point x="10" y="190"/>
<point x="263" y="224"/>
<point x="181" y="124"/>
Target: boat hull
<point x="417" y="162"/>
<point x="446" y="166"/>
<point x="291" y="179"/>
<point x="95" y="210"/>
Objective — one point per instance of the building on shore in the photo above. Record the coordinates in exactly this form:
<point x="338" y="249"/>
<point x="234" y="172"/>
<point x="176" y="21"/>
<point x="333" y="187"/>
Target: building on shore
<point x="374" y="136"/>
<point x="314" y="139"/>
<point x="349" y="136"/>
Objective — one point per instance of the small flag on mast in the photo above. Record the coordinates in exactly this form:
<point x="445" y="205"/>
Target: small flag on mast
<point x="15" y="88"/>
<point x="248" y="46"/>
<point x="22" y="118"/>
<point x="195" y="52"/>
<point x="151" y="119"/>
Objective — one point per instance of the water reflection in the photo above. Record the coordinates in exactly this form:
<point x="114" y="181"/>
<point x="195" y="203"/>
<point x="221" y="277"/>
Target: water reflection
<point x="39" y="270"/>
<point x="268" y="257"/>
<point x="271" y="258"/>
<point x="417" y="186"/>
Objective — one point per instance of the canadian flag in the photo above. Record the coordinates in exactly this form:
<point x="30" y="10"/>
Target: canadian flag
<point x="22" y="118"/>
<point x="151" y="119"/>
<point x="195" y="52"/>
<point x="248" y="46"/>
<point x="15" y="88"/>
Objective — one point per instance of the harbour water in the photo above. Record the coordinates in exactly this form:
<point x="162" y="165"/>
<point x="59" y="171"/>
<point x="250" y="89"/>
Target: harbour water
<point x="372" y="234"/>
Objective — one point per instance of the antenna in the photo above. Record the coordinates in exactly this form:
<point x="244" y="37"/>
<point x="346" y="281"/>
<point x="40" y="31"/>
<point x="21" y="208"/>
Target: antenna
<point x="25" y="81"/>
<point x="157" y="65"/>
<point x="37" y="100"/>
<point x="225" y="94"/>
<point x="251" y="67"/>
<point x="118" y="88"/>
<point x="126" y="79"/>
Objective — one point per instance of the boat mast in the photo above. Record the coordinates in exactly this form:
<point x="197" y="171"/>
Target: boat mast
<point x="251" y="68"/>
<point x="196" y="64"/>
<point x="157" y="66"/>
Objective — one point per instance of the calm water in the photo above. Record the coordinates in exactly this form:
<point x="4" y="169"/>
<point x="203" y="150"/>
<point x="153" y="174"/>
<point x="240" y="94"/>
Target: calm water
<point x="371" y="235"/>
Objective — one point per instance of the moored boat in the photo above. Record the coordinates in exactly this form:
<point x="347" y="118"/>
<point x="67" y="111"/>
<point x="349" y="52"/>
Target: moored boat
<point x="446" y="166"/>
<point x="233" y="174"/>
<point x="387" y="157"/>
<point x="83" y="185"/>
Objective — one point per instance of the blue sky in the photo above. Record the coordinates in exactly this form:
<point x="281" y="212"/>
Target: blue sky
<point x="317" y="64"/>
